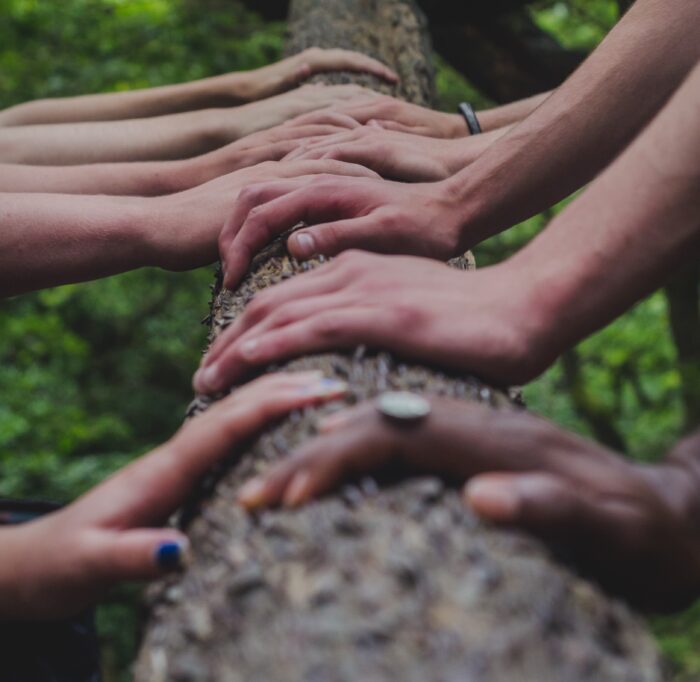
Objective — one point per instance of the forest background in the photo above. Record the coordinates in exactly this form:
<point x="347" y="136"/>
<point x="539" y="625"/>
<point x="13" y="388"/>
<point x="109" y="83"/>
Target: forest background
<point x="93" y="375"/>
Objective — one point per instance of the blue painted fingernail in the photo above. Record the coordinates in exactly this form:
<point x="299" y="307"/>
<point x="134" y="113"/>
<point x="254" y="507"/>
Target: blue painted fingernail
<point x="325" y="387"/>
<point x="170" y="556"/>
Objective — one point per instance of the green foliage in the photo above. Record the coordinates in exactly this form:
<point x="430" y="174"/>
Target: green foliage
<point x="92" y="375"/>
<point x="577" y="24"/>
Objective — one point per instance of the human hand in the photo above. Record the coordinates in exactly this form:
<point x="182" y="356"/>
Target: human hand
<point x="271" y="144"/>
<point x="181" y="230"/>
<point x="290" y="105"/>
<point x="61" y="563"/>
<point x="485" y="322"/>
<point x="342" y="213"/>
<point x="394" y="155"/>
<point x="287" y="73"/>
<point x="394" y="114"/>
<point x="631" y="527"/>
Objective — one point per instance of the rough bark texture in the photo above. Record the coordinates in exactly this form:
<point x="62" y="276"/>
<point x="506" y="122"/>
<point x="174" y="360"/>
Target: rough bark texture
<point x="374" y="584"/>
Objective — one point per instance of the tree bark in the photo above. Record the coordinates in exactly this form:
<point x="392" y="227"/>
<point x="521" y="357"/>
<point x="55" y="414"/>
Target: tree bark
<point x="398" y="582"/>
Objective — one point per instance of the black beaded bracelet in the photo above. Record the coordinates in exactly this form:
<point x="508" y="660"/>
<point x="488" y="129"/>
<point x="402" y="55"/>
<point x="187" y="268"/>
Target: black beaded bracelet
<point x="467" y="110"/>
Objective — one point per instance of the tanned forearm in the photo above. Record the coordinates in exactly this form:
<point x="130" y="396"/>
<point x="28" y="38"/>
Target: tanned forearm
<point x="514" y="112"/>
<point x="175" y="136"/>
<point x="163" y="137"/>
<point x="139" y="178"/>
<point x="625" y="235"/>
<point x="49" y="239"/>
<point x="586" y="122"/>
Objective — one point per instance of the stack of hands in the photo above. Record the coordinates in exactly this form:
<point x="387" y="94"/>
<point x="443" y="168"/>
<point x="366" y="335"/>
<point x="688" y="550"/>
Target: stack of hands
<point x="410" y="188"/>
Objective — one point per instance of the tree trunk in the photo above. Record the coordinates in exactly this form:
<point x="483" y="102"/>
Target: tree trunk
<point x="373" y="584"/>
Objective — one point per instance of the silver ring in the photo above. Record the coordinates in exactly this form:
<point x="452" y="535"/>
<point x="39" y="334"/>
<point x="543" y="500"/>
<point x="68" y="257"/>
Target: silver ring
<point x="402" y="406"/>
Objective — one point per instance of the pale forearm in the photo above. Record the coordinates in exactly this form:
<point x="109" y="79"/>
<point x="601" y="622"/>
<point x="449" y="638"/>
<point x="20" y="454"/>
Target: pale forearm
<point x="139" y="178"/>
<point x="586" y="122"/>
<point x="51" y="239"/>
<point x="626" y="234"/>
<point x="160" y="138"/>
<point x="507" y="114"/>
<point x="11" y="582"/>
<point x="218" y="91"/>
<point x="176" y="136"/>
<point x="462" y="152"/>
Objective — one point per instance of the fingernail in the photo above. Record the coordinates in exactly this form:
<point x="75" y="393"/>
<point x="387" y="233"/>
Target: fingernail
<point x="206" y="379"/>
<point x="306" y="246"/>
<point x="325" y="387"/>
<point x="252" y="494"/>
<point x="309" y="375"/>
<point x="248" y="349"/>
<point x="333" y="421"/>
<point x="494" y="499"/>
<point x="298" y="489"/>
<point x="172" y="555"/>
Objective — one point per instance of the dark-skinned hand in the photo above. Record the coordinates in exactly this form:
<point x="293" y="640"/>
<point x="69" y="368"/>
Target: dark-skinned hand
<point x="634" y="528"/>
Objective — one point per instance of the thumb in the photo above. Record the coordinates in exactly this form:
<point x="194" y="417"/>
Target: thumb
<point x="544" y="503"/>
<point x="142" y="554"/>
<point x="330" y="239"/>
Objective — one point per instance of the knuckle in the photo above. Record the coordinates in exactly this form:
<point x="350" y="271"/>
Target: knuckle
<point x="355" y="265"/>
<point x="249" y="195"/>
<point x="280" y="317"/>
<point x="408" y="316"/>
<point x="256" y="213"/>
<point x="329" y="327"/>
<point x="259" y="307"/>
<point x="335" y="154"/>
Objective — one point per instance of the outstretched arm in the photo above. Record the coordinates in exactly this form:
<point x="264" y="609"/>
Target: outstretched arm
<point x="174" y="136"/>
<point x="396" y="155"/>
<point x="621" y="239"/>
<point x="153" y="178"/>
<point x="586" y="122"/>
<point x="56" y="566"/>
<point x="226" y="90"/>
<point x="390" y="113"/>
<point x="632" y="527"/>
<point x="575" y="133"/>
<point x="51" y="239"/>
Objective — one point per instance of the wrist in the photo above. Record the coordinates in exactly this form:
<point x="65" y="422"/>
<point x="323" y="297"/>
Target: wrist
<point x="151" y="222"/>
<point x="469" y="205"/>
<point x="684" y="463"/>
<point x="181" y="229"/>
<point x="455" y="126"/>
<point x="457" y="154"/>
<point x="239" y="87"/>
<point x="188" y="173"/>
<point x="528" y="332"/>
<point x="14" y="584"/>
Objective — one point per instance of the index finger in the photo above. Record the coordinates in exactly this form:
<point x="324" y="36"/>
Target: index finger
<point x="336" y="59"/>
<point x="150" y="488"/>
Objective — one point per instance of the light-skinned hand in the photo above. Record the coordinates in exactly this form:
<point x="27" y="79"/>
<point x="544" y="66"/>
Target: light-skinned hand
<point x="59" y="564"/>
<point x="481" y="322"/>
